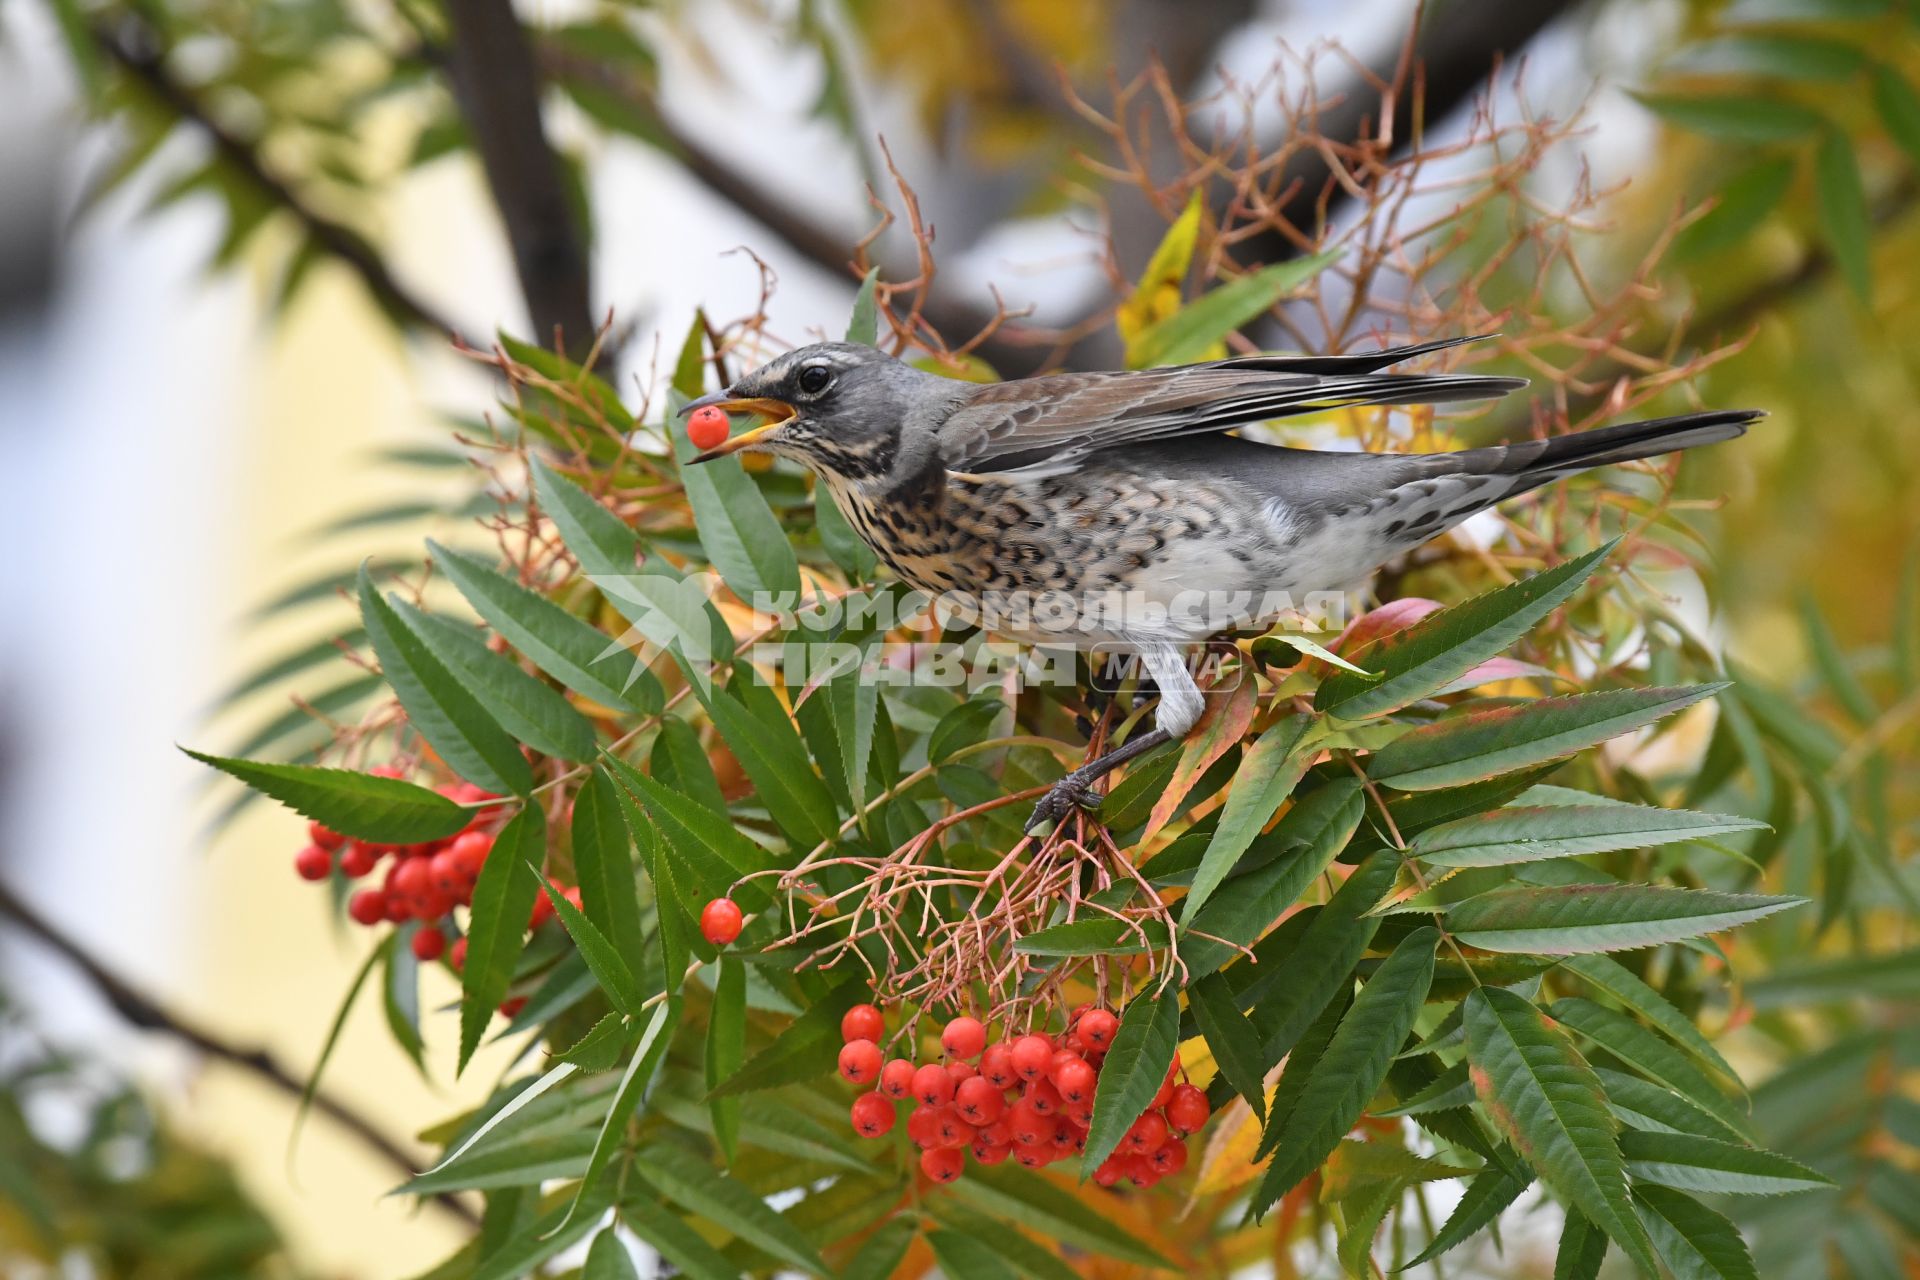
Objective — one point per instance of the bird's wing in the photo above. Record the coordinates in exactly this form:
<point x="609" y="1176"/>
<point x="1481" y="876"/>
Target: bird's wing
<point x="1043" y="426"/>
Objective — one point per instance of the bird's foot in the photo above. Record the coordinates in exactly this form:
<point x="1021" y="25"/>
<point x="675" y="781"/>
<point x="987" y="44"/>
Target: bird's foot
<point x="1070" y="793"/>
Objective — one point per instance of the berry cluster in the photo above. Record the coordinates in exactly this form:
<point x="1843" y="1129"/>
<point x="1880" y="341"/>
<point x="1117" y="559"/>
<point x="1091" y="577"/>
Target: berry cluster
<point x="424" y="882"/>
<point x="1029" y="1099"/>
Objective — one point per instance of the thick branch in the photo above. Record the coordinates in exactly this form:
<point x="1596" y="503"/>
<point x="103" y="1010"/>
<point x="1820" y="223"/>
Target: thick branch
<point x="141" y="1011"/>
<point x="133" y="45"/>
<point x="498" y="87"/>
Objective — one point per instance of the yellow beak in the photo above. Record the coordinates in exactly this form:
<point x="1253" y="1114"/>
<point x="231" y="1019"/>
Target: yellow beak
<point x="775" y="411"/>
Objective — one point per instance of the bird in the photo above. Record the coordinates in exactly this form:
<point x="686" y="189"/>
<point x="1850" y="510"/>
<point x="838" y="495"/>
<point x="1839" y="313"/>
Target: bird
<point x="1118" y="509"/>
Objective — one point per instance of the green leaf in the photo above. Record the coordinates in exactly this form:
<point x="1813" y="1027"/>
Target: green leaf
<point x="1842" y="205"/>
<point x="1892" y="976"/>
<point x="1583" y="1247"/>
<point x="1646" y="1053"/>
<point x="806" y="1050"/>
<point x="1133" y="1072"/>
<point x="1190" y="332"/>
<point x="1450" y="1089"/>
<point x="1558" y="920"/>
<point x="1792" y="57"/>
<point x="603" y="959"/>
<point x="1526" y="834"/>
<point x="710" y="850"/>
<point x="602" y="1047"/>
<point x="580" y="656"/>
<point x="401" y="992"/>
<point x="776" y="761"/>
<point x="1231" y="1039"/>
<point x="1741" y="205"/>
<point x="1094" y="936"/>
<point x="438" y="1177"/>
<point x="963" y="1257"/>
<point x="603" y="863"/>
<point x="738" y="530"/>
<point x="1642" y="1104"/>
<point x="1614" y="978"/>
<point x="525" y="706"/>
<point x="853" y="698"/>
<point x="383" y="810"/>
<point x="599" y="540"/>
<point x="1434" y="652"/>
<point x="1898" y="103"/>
<point x="863" y="326"/>
<point x="440" y="706"/>
<point x="1695" y="1242"/>
<point x="729" y="1205"/>
<point x="726" y="1048"/>
<point x="880" y="1255"/>
<point x="541" y="1239"/>
<point x="1483" y="744"/>
<point x="1547" y="1103"/>
<point x="608" y="1259"/>
<point x="1353" y="1066"/>
<point x="647" y="1056"/>
<point x="673" y="1239"/>
<point x="1486" y="1198"/>
<point x="1026" y="1199"/>
<point x="497" y="924"/>
<point x="1266" y="777"/>
<point x="1735" y="116"/>
<point x="1688" y="1162"/>
<point x="327" y="1047"/>
<point x="1322" y="963"/>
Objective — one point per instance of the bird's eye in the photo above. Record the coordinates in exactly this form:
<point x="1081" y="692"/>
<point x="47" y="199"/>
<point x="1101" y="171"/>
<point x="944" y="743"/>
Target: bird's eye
<point x="814" y="379"/>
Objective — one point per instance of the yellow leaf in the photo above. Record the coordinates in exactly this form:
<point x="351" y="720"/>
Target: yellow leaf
<point x="1227" y="1162"/>
<point x="1157" y="296"/>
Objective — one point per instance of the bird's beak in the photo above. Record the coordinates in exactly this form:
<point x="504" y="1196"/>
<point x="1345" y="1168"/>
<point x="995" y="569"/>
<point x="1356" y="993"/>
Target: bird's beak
<point x="775" y="411"/>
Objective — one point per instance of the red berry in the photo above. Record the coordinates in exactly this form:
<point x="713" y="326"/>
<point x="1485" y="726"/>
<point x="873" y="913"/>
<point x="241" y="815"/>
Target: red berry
<point x="1029" y="1127"/>
<point x="978" y="1102"/>
<point x="988" y="1154"/>
<point x="1164" y="1094"/>
<point x="358" y="859"/>
<point x="369" y="906"/>
<point x="896" y="1078"/>
<point x="1044" y="1097"/>
<point x="1108" y="1173"/>
<point x="964" y="1038"/>
<point x="873" y="1115"/>
<point x="932" y="1085"/>
<point x="1077" y="1114"/>
<point x="960" y="1073"/>
<point x="996" y="1064"/>
<point x="1148" y="1132"/>
<point x="1076" y="1080"/>
<point x="510" y="1009"/>
<point x="949" y="1129"/>
<point x="920" y="1127"/>
<point x="1031" y="1056"/>
<point x="1169" y="1157"/>
<point x="397" y="909"/>
<point x="999" y="1133"/>
<point x="542" y="911"/>
<point x="720" y="922"/>
<point x="1187" y="1110"/>
<point x="457" y="954"/>
<point x="1097" y="1027"/>
<point x="943" y="1164"/>
<point x="860" y="1061"/>
<point x="428" y="943"/>
<point x="324" y="836"/>
<point x="412" y="879"/>
<point x="313" y="863"/>
<point x="862" y="1022"/>
<point x="469" y="851"/>
<point x="448" y="879"/>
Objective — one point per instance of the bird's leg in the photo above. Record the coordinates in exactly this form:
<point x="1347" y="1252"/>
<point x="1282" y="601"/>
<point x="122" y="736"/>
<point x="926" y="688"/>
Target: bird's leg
<point x="1180" y="706"/>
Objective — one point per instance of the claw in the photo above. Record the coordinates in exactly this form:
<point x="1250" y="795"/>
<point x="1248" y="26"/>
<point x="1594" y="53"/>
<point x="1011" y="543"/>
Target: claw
<point x="1067" y="794"/>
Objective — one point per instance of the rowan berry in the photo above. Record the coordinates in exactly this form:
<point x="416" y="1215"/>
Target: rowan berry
<point x="1031" y="1056"/>
<point x="964" y="1038"/>
<point x="313" y="863"/>
<point x="1029" y="1127"/>
<point x="510" y="1009"/>
<point x="368" y="906"/>
<point x="428" y="943"/>
<point x="457" y="954"/>
<point x="412" y="879"/>
<point x="1044" y="1097"/>
<point x="996" y="1064"/>
<point x="1148" y="1132"/>
<point x="1108" y="1173"/>
<point x="1169" y="1157"/>
<point x="978" y="1102"/>
<point x="950" y="1129"/>
<point x="469" y="851"/>
<point x="1187" y="1110"/>
<point x="1098" y="1027"/>
<point x="720" y="922"/>
<point x="988" y="1154"/>
<point x="1164" y="1094"/>
<point x="999" y="1133"/>
<point x="920" y="1127"/>
<point x="707" y="427"/>
<point x="932" y="1085"/>
<point x="1076" y="1081"/>
<point x="959" y="1073"/>
<point x="943" y="1164"/>
<point x="896" y="1078"/>
<point x="448" y="879"/>
<point x="862" y="1022"/>
<point x="860" y="1061"/>
<point x="358" y="859"/>
<point x="324" y="836"/>
<point x="873" y="1115"/>
<point x="1034" y="1157"/>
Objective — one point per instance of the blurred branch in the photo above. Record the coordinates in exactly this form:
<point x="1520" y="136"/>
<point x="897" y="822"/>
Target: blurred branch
<point x="498" y="87"/>
<point x="133" y="45"/>
<point x="141" y="1011"/>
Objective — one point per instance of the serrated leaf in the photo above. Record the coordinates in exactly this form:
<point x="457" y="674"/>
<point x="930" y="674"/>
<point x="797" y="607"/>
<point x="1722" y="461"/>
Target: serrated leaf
<point x="497" y="922"/>
<point x="738" y="530"/>
<point x="608" y="1259"/>
<point x="524" y="706"/>
<point x="805" y="1050"/>
<point x="1266" y="777"/>
<point x="1735" y="116"/>
<point x="434" y="1178"/>
<point x="1486" y="1198"/>
<point x="1525" y="834"/>
<point x="965" y="1257"/>
<point x="1134" y="1069"/>
<point x="1450" y="1089"/>
<point x="1647" y="1053"/>
<point x="1547" y="1103"/>
<point x="602" y="1047"/>
<point x="1189" y="333"/>
<point x="1353" y="1066"/>
<point x="647" y="1056"/>
<point x="730" y="1205"/>
<point x="1423" y="659"/>
<point x="1642" y="1104"/>
<point x="1688" y="1162"/>
<point x="441" y="707"/>
<point x="1484" y="744"/>
<point x="1695" y="1242"/>
<point x="599" y="540"/>
<point x="400" y="991"/>
<point x="1622" y="984"/>
<point x="1026" y="1199"/>
<point x="1231" y="1039"/>
<point x="603" y="864"/>
<point x="776" y="761"/>
<point x="383" y="810"/>
<point x="726" y="1048"/>
<point x="1559" y="920"/>
<point x="579" y="656"/>
<point x="1323" y="961"/>
<point x="707" y="847"/>
<point x="536" y="1242"/>
<point x="608" y="966"/>
<point x="1583" y="1247"/>
<point x="880" y="1254"/>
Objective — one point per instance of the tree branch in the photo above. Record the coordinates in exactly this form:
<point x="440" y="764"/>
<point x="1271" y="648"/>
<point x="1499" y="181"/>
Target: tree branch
<point x="142" y="1011"/>
<point x="134" y="46"/>
<point x="498" y="87"/>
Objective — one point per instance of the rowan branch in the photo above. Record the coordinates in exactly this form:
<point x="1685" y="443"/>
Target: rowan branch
<point x="142" y="1011"/>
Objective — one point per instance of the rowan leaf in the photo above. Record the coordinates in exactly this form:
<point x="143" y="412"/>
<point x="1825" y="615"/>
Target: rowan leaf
<point x="730" y="1205"/>
<point x="1687" y="1162"/>
<point x="526" y="707"/>
<point x="1134" y="1069"/>
<point x="1532" y="834"/>
<point x="1567" y="919"/>
<point x="1695" y="1242"/>
<point x="1266" y="777"/>
<point x="503" y="898"/>
<point x="383" y="810"/>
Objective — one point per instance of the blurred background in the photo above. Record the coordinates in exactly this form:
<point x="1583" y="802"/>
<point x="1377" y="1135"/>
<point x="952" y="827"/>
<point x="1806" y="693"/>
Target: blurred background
<point x="235" y="238"/>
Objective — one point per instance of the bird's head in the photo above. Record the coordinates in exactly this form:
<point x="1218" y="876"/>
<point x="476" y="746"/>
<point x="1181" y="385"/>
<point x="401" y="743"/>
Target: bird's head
<point x="833" y="406"/>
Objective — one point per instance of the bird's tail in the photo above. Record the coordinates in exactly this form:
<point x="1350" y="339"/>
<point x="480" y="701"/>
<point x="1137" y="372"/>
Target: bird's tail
<point x="1628" y="442"/>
